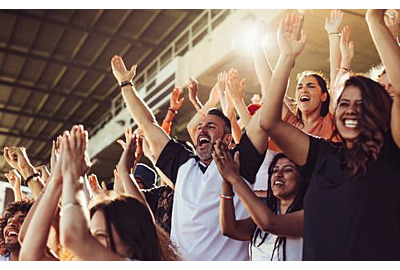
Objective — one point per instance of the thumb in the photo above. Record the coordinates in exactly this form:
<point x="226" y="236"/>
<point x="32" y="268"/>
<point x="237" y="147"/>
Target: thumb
<point x="132" y="71"/>
<point x="236" y="158"/>
<point x="103" y="185"/>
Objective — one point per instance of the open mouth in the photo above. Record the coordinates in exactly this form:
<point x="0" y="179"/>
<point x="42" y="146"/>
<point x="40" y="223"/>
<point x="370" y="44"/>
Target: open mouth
<point x="304" y="98"/>
<point x="203" y="140"/>
<point x="12" y="233"/>
<point x="278" y="183"/>
<point x="350" y="123"/>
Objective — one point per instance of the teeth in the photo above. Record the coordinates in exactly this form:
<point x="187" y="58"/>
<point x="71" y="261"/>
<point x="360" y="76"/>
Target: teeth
<point x="13" y="234"/>
<point x="204" y="140"/>
<point x="304" y="98"/>
<point x="350" y="123"/>
<point x="278" y="183"/>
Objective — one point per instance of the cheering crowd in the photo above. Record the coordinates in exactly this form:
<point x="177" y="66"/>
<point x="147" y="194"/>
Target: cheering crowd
<point x="316" y="177"/>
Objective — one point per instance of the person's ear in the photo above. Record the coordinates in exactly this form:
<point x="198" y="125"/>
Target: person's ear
<point x="324" y="97"/>
<point x="227" y="139"/>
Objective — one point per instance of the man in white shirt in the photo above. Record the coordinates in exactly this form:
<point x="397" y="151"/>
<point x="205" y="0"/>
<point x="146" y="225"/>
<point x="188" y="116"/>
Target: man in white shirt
<point x="195" y="215"/>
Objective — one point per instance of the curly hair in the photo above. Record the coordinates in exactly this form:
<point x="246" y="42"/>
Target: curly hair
<point x="12" y="208"/>
<point x="273" y="203"/>
<point x="374" y="123"/>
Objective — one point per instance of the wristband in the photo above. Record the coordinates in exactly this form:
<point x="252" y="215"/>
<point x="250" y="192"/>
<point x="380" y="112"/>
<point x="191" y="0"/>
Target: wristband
<point x="30" y="178"/>
<point x="226" y="197"/>
<point x="335" y="33"/>
<point x="175" y="112"/>
<point x="345" y="69"/>
<point x="125" y="83"/>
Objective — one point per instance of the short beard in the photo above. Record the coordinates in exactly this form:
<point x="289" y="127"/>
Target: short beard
<point x="14" y="247"/>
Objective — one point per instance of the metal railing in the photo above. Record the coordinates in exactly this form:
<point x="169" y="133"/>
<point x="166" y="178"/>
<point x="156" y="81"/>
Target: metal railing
<point x="145" y="81"/>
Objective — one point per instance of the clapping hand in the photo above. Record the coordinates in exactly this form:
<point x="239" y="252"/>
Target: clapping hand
<point x="227" y="165"/>
<point x="119" y="70"/>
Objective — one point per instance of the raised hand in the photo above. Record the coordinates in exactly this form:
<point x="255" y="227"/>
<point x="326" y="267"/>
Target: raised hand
<point x="14" y="178"/>
<point x="119" y="70"/>
<point x="118" y="186"/>
<point x="17" y="158"/>
<point x="346" y="47"/>
<point x="291" y="39"/>
<point x="94" y="185"/>
<point x="175" y="103"/>
<point x="44" y="173"/>
<point x="334" y="22"/>
<point x="227" y="165"/>
<point x="193" y="88"/>
<point x="234" y="87"/>
<point x="128" y="159"/>
<point x="74" y="163"/>
<point x="55" y="153"/>
<point x="392" y="22"/>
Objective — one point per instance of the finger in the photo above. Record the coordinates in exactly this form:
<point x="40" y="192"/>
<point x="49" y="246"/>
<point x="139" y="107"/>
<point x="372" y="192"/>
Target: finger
<point x="103" y="185"/>
<point x="236" y="158"/>
<point x="122" y="143"/>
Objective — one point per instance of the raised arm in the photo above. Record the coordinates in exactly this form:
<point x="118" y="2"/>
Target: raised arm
<point x="261" y="214"/>
<point x="235" y="89"/>
<point x="139" y="111"/>
<point x="389" y="52"/>
<point x="17" y="158"/>
<point x="14" y="178"/>
<point x="227" y="105"/>
<point x="43" y="215"/>
<point x="74" y="227"/>
<point x="333" y="27"/>
<point x="175" y="103"/>
<point x="291" y="140"/>
<point x="211" y="102"/>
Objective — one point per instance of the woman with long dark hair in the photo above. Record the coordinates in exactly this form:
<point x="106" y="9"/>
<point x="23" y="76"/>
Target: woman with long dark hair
<point x="271" y="239"/>
<point x="351" y="208"/>
<point x="118" y="227"/>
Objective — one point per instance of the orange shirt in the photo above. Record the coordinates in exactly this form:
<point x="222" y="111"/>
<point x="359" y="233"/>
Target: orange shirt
<point x="323" y="128"/>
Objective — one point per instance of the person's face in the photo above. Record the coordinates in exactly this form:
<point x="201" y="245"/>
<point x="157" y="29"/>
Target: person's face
<point x="309" y="96"/>
<point x="11" y="231"/>
<point x="210" y="129"/>
<point x="348" y="114"/>
<point x="285" y="179"/>
<point x="98" y="229"/>
<point x="139" y="182"/>
<point x="384" y="81"/>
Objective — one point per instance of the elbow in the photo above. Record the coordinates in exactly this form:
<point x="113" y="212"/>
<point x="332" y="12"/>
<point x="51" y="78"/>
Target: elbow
<point x="71" y="238"/>
<point x="266" y="125"/>
<point x="226" y="232"/>
<point x="265" y="225"/>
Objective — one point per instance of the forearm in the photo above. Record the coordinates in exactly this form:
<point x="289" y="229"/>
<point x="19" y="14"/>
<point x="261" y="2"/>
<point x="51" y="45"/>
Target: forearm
<point x="37" y="234"/>
<point x="196" y="103"/>
<point x="199" y="115"/>
<point x="236" y="130"/>
<point x="145" y="120"/>
<point x="242" y="111"/>
<point x="74" y="228"/>
<point x="17" y="194"/>
<point x="166" y="124"/>
<point x="388" y="50"/>
<point x="34" y="184"/>
<point x="259" y="212"/>
<point x="130" y="186"/>
<point x="334" y="56"/>
<point x="271" y="111"/>
<point x="228" y="224"/>
<point x="262" y="67"/>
